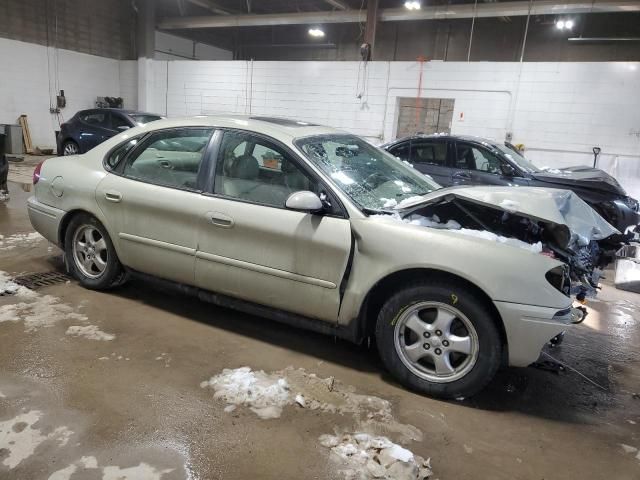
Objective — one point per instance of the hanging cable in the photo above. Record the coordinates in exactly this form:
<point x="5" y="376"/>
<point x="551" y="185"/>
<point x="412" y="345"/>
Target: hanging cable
<point x="473" y="24"/>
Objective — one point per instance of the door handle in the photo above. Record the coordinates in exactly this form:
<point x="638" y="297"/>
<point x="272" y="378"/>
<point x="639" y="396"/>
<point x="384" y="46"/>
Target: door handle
<point x="113" y="196"/>
<point x="220" y="219"/>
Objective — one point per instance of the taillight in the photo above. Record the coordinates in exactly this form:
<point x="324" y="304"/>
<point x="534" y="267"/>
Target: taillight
<point x="36" y="172"/>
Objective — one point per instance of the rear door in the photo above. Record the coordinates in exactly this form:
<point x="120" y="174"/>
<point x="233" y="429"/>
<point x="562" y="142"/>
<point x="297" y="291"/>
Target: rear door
<point x="428" y="156"/>
<point x="477" y="165"/>
<point x="95" y="128"/>
<point x="253" y="248"/>
<point x="151" y="202"/>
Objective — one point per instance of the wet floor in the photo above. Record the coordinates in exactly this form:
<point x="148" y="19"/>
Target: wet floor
<point x="119" y="395"/>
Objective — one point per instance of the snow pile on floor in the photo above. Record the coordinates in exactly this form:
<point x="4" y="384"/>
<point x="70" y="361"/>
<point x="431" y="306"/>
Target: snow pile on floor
<point x="19" y="239"/>
<point x="91" y="332"/>
<point x="266" y="395"/>
<point x="19" y="439"/>
<point x="40" y="311"/>
<point x="9" y="287"/>
<point x="362" y="456"/>
<point x="143" y="471"/>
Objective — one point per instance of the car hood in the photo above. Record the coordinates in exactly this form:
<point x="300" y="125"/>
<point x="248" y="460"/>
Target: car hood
<point x="548" y="205"/>
<point x="581" y="177"/>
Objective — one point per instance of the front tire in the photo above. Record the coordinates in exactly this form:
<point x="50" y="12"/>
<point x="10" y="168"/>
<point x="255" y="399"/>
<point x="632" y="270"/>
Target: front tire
<point x="440" y="340"/>
<point x="90" y="255"/>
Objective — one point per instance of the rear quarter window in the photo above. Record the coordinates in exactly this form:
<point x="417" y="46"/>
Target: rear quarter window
<point x="121" y="151"/>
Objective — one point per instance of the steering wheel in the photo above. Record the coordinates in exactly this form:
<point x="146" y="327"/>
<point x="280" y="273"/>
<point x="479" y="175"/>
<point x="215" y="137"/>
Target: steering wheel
<point x="371" y="179"/>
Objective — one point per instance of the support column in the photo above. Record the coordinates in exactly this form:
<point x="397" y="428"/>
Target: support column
<point x="372" y="24"/>
<point x="146" y="44"/>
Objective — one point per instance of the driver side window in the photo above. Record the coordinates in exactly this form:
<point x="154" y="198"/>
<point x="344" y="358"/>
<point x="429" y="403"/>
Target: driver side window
<point x="471" y="157"/>
<point x="170" y="157"/>
<point x="253" y="169"/>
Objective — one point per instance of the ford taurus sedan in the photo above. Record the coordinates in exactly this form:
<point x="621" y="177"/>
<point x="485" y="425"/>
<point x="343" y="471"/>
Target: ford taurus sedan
<point x="317" y="228"/>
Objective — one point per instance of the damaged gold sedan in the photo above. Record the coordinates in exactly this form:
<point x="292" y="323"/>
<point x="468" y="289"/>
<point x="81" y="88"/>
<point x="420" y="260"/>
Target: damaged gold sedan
<point x="314" y="227"/>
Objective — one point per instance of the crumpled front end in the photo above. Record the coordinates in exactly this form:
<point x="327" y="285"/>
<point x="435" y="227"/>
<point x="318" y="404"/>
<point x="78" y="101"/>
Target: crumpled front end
<point x="555" y="223"/>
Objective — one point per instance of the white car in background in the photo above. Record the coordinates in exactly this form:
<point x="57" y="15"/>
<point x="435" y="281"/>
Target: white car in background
<point x="318" y="228"/>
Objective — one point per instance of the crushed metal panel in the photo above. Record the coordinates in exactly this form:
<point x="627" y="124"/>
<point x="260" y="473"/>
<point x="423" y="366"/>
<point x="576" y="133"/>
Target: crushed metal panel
<point x="37" y="280"/>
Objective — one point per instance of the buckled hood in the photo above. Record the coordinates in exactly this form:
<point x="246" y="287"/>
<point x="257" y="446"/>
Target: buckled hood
<point x="581" y="176"/>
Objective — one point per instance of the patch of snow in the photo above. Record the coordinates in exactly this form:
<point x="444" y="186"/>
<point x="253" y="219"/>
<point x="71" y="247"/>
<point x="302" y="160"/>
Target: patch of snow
<point x="629" y="421"/>
<point x="91" y="332"/>
<point x="264" y="394"/>
<point x="628" y="448"/>
<point x="143" y="471"/>
<point x="19" y="239"/>
<point x="9" y="287"/>
<point x="467" y="449"/>
<point x="363" y="456"/>
<point x="40" y="311"/>
<point x="268" y="394"/>
<point x="20" y="439"/>
<point x="2" y="395"/>
<point x="555" y="171"/>
<point x="389" y="202"/>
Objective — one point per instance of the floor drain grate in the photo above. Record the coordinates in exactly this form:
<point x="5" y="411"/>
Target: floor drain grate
<point x="41" y="279"/>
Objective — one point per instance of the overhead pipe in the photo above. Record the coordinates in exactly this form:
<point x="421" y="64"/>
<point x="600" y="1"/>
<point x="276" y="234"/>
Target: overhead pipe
<point x="443" y="12"/>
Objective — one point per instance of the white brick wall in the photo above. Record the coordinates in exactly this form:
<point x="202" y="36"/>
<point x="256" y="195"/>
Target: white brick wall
<point x="25" y="85"/>
<point x="558" y="110"/>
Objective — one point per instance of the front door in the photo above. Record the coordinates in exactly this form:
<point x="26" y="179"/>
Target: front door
<point x="252" y="248"/>
<point x="151" y="202"/>
<point x="476" y="165"/>
<point x="96" y="128"/>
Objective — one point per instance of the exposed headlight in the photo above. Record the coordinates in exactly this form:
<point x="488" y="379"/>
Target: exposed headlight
<point x="632" y="203"/>
<point x="560" y="279"/>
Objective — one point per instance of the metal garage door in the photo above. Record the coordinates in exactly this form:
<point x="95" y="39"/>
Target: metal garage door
<point x="425" y="115"/>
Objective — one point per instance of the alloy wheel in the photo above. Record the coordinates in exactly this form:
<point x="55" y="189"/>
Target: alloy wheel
<point x="90" y="251"/>
<point x="436" y="342"/>
<point x="70" y="148"/>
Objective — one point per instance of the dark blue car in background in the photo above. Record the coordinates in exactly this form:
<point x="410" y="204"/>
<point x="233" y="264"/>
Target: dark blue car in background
<point x="89" y="128"/>
<point x="462" y="160"/>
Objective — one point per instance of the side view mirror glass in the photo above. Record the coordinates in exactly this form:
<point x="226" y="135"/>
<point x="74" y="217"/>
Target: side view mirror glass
<point x="304" y="201"/>
<point x="507" y="170"/>
<point x="122" y="128"/>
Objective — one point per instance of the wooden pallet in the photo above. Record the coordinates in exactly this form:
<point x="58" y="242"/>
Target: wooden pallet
<point x="26" y="133"/>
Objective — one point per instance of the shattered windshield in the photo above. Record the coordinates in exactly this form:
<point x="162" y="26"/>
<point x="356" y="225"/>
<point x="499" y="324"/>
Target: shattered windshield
<point x="518" y="159"/>
<point x="373" y="178"/>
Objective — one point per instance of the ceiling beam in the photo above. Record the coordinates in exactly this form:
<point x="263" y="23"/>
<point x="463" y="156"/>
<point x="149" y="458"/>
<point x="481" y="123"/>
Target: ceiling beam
<point x="500" y="9"/>
<point x="212" y="6"/>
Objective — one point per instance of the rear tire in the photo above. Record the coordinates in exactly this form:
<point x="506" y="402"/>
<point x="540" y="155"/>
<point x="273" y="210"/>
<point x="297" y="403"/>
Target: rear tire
<point x="440" y="340"/>
<point x="69" y="147"/>
<point x="90" y="255"/>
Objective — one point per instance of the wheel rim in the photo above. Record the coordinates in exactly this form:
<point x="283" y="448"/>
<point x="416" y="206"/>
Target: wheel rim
<point x="90" y="251"/>
<point x="436" y="342"/>
<point x="70" y="149"/>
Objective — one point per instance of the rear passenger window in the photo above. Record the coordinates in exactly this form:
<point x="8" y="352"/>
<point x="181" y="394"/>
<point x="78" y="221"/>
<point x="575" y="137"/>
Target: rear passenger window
<point x="252" y="169"/>
<point x="170" y="157"/>
<point x="98" y="119"/>
<point x="119" y="153"/>
<point x="432" y="153"/>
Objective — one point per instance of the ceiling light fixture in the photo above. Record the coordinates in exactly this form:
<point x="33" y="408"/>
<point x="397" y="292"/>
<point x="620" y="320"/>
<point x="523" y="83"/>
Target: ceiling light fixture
<point x="564" y="24"/>
<point x="316" y="32"/>
<point x="412" y="5"/>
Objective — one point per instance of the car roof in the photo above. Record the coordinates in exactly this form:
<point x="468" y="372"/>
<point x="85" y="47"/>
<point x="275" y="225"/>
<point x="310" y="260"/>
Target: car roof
<point x="270" y="126"/>
<point x="445" y="136"/>
<point x="119" y="110"/>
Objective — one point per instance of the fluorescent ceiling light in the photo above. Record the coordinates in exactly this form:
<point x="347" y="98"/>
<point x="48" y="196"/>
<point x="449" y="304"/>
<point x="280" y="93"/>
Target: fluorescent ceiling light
<point x="568" y="24"/>
<point x="412" y="5"/>
<point x="316" y="32"/>
<point x="564" y="24"/>
<point x="560" y="24"/>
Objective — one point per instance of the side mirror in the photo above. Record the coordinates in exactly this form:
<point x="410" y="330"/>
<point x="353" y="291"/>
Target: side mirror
<point x="507" y="170"/>
<point x="122" y="128"/>
<point x="304" y="201"/>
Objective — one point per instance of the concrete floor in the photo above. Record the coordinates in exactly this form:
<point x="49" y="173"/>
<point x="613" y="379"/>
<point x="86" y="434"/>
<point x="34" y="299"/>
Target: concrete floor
<point x="133" y="407"/>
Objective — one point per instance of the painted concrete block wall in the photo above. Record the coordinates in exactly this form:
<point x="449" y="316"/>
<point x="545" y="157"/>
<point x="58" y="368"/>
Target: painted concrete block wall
<point x="29" y="85"/>
<point x="558" y="110"/>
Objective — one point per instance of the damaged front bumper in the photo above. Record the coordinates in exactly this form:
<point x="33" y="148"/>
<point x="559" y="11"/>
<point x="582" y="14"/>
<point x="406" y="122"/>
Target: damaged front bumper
<point x="529" y="327"/>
